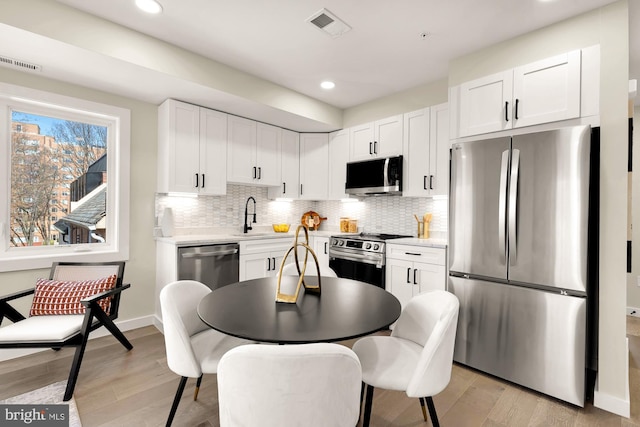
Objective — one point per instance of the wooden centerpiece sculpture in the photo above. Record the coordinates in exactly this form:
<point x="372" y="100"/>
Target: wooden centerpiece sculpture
<point x="314" y="289"/>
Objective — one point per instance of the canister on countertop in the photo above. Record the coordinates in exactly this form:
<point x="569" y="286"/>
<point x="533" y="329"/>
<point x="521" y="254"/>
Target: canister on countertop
<point x="353" y="226"/>
<point x="344" y="224"/>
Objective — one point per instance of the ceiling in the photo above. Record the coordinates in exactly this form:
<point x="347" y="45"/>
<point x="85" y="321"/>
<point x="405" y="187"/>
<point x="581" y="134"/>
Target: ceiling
<point x="385" y="51"/>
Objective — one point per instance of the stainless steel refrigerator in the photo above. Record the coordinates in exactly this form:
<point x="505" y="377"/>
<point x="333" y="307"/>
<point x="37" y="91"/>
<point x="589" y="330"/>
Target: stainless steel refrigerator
<point x="523" y="257"/>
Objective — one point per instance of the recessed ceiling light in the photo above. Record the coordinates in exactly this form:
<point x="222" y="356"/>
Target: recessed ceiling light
<point x="149" y="6"/>
<point x="327" y="85"/>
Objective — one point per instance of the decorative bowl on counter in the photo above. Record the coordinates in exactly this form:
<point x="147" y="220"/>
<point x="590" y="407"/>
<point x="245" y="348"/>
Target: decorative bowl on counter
<point x="281" y="228"/>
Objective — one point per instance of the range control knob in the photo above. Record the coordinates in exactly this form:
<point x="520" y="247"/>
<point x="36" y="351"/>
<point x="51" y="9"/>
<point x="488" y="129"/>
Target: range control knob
<point x="367" y="246"/>
<point x="340" y="242"/>
<point x="334" y="242"/>
<point x="376" y="247"/>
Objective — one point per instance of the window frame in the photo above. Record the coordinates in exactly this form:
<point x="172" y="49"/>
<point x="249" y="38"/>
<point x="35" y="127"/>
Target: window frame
<point x="118" y="121"/>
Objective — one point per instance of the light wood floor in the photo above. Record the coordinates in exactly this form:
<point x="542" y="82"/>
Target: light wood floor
<point x="119" y="388"/>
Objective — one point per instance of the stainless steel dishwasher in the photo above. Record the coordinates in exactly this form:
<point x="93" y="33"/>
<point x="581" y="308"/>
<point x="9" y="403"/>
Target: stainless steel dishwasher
<point x="214" y="265"/>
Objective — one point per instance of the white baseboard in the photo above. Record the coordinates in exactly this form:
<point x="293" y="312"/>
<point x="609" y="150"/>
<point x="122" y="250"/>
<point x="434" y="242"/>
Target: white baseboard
<point x="633" y="311"/>
<point x="615" y="404"/>
<point x="124" y="325"/>
<point x="157" y="322"/>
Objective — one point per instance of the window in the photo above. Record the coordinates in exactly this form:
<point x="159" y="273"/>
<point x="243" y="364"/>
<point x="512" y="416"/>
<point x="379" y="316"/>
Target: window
<point x="92" y="141"/>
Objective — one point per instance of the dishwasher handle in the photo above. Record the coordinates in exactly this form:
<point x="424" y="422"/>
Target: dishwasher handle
<point x="215" y="252"/>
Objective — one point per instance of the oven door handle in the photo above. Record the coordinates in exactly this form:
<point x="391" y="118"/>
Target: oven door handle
<point x="355" y="257"/>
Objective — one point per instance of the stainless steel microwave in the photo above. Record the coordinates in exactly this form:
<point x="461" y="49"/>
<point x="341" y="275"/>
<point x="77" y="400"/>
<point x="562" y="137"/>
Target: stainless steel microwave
<point x="375" y="177"/>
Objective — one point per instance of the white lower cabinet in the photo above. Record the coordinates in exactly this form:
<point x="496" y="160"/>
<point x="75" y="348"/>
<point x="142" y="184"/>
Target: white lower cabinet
<point x="262" y="258"/>
<point x="321" y="248"/>
<point x="412" y="270"/>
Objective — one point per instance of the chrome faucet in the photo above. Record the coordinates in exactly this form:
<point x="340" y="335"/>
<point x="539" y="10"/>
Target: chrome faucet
<point x="247" y="225"/>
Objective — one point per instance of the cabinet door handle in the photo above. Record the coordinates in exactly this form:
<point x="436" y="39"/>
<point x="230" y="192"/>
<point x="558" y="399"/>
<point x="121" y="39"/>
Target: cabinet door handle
<point x="424" y="183"/>
<point x="284" y="188"/>
<point x="408" y="272"/>
<point x="371" y="148"/>
<point x="202" y="180"/>
<point x="325" y="248"/>
<point x="430" y="182"/>
<point x="415" y="270"/>
<point x="255" y="172"/>
<point x="412" y="253"/>
<point x="259" y="173"/>
<point x="301" y="189"/>
<point x="197" y="180"/>
<point x="506" y="111"/>
<point x="274" y="263"/>
<point x="375" y="150"/>
<point x="517" y="102"/>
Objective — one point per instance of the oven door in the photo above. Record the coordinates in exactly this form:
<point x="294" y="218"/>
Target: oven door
<point x="358" y="270"/>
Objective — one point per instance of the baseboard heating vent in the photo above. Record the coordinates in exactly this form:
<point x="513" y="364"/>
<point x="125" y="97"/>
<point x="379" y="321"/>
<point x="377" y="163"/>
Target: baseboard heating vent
<point x="328" y="23"/>
<point x="16" y="63"/>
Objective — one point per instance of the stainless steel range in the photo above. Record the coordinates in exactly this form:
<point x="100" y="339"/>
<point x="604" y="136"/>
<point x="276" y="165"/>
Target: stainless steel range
<point x="360" y="256"/>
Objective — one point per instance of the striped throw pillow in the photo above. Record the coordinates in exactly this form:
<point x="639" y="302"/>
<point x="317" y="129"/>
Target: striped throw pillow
<point x="63" y="297"/>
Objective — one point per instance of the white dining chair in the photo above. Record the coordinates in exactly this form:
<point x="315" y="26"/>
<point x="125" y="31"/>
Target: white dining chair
<point x="418" y="356"/>
<point x="192" y="347"/>
<point x="310" y="385"/>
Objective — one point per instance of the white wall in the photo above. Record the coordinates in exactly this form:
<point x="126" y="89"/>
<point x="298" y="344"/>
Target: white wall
<point x="402" y="102"/>
<point x="608" y="27"/>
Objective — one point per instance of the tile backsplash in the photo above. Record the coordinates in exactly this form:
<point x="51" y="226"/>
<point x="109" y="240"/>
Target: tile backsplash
<point x="386" y="214"/>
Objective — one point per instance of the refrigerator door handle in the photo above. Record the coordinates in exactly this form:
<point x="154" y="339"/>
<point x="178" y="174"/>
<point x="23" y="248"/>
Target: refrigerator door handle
<point x="513" y="207"/>
<point x="502" y="207"/>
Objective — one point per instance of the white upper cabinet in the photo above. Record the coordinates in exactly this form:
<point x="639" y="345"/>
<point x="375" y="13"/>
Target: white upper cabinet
<point x="426" y="152"/>
<point x="416" y="154"/>
<point x="314" y="166"/>
<point x="540" y="92"/>
<point x="484" y="104"/>
<point x="338" y="158"/>
<point x="192" y="146"/>
<point x="268" y="154"/>
<point x="253" y="154"/>
<point x="382" y="138"/>
<point x="289" y="168"/>
<point x="439" y="146"/>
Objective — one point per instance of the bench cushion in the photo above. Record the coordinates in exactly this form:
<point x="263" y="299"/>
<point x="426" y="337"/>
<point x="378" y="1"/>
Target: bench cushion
<point x="63" y="297"/>
<point x="42" y="328"/>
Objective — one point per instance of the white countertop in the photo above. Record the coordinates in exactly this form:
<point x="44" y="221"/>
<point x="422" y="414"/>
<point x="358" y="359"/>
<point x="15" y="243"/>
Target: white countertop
<point x="215" y="238"/>
<point x="414" y="241"/>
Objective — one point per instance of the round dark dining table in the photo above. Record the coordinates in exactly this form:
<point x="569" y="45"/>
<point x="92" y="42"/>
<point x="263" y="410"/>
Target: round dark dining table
<point x="345" y="309"/>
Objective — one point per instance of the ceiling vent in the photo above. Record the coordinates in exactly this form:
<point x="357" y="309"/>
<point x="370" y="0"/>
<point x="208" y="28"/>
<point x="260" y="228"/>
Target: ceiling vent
<point x="328" y="23"/>
<point x="16" y="63"/>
